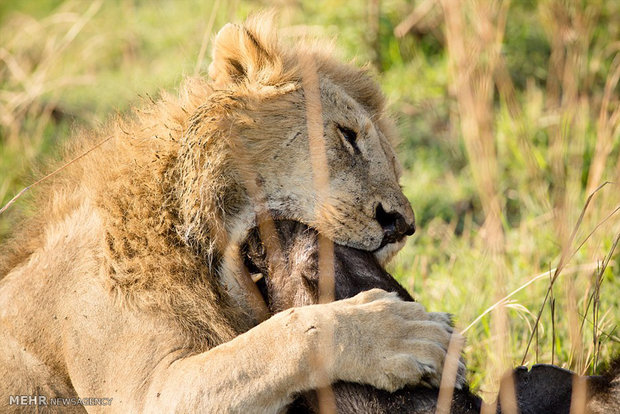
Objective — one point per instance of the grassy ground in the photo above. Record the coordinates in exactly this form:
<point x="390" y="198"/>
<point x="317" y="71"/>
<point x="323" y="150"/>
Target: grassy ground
<point x="509" y="115"/>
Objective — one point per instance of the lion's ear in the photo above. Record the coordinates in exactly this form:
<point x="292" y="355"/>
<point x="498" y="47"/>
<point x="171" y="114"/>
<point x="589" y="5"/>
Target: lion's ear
<point x="246" y="53"/>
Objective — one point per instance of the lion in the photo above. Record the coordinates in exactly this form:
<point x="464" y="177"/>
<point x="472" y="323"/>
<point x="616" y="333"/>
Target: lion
<point x="127" y="284"/>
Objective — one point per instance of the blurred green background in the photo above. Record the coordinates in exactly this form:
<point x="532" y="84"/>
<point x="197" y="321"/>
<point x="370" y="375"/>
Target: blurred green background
<point x="509" y="117"/>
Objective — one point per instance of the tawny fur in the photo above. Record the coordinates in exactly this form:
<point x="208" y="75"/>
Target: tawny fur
<point x="141" y="234"/>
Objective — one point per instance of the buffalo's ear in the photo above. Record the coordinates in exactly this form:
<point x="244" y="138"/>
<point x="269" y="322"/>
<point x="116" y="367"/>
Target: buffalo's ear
<point x="246" y="53"/>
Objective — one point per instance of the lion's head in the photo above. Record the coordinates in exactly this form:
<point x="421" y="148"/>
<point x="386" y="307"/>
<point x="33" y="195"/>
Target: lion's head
<point x="260" y="106"/>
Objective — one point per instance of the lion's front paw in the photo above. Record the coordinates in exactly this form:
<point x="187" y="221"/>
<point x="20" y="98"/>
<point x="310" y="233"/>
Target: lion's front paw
<point x="388" y="343"/>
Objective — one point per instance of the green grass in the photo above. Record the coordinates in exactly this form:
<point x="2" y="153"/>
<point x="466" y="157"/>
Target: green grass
<point x="550" y="145"/>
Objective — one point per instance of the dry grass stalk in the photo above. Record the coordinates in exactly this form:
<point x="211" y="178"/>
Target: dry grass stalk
<point x="320" y="172"/>
<point x="595" y="300"/>
<point x="473" y="84"/>
<point x="62" y="167"/>
<point x="474" y="35"/>
<point x="264" y="220"/>
<point x="547" y="274"/>
<point x="205" y="38"/>
<point x="448" y="375"/>
<point x="30" y="66"/>
<point x="420" y="11"/>
<point x="565" y="257"/>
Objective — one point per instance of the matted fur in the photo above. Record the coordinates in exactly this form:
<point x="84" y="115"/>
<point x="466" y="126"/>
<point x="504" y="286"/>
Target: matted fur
<point x="142" y="235"/>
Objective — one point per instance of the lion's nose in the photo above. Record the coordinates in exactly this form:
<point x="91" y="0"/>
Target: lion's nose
<point x="394" y="225"/>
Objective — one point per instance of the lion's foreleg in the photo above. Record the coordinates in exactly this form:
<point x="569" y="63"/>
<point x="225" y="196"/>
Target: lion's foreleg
<point x="305" y="348"/>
